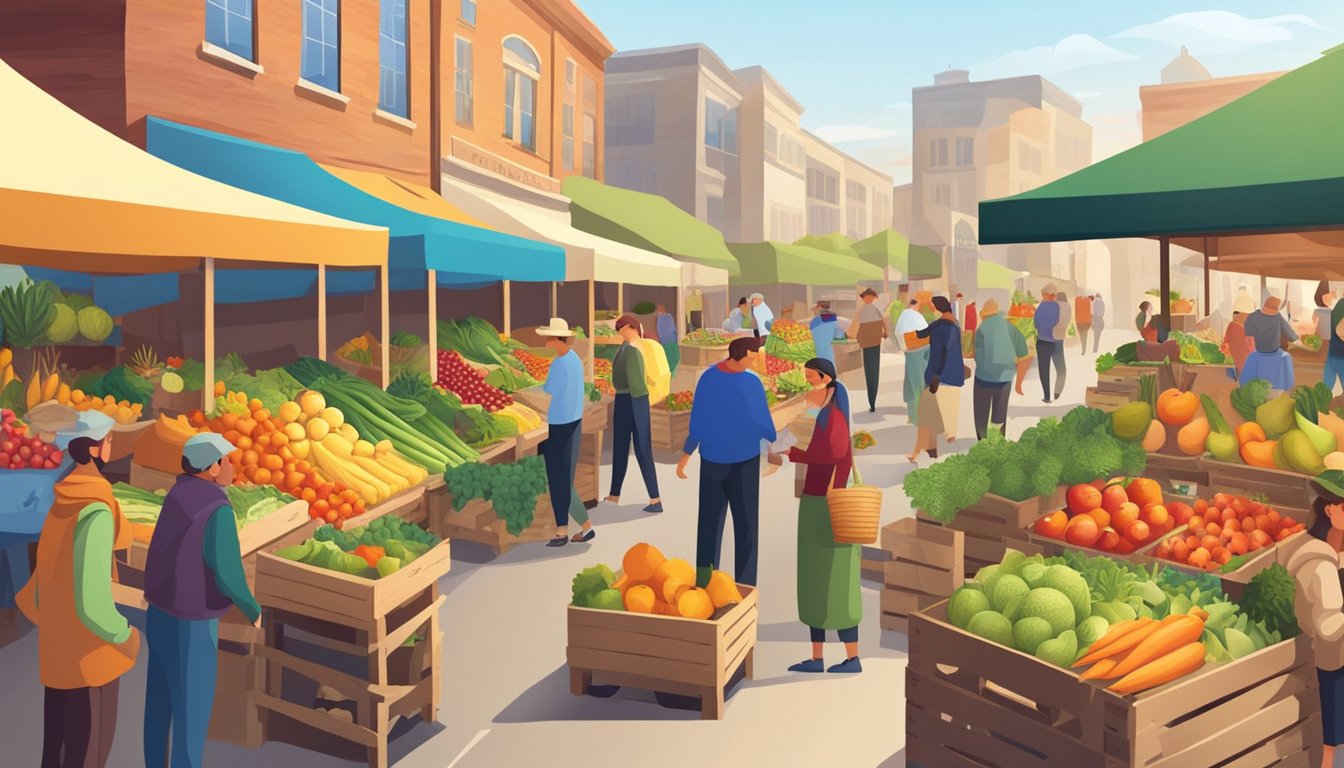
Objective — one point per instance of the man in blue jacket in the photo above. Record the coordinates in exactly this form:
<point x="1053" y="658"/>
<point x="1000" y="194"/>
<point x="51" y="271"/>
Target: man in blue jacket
<point x="1046" y="318"/>
<point x="729" y="419"/>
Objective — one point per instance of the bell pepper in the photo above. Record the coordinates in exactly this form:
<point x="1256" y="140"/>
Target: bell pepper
<point x="371" y="554"/>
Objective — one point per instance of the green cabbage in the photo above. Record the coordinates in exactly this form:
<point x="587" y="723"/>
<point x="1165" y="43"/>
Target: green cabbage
<point x="94" y="323"/>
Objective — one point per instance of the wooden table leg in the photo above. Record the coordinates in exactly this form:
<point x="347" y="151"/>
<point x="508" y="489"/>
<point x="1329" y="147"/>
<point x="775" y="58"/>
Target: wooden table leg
<point x="711" y="703"/>
<point x="580" y="681"/>
<point x="749" y="664"/>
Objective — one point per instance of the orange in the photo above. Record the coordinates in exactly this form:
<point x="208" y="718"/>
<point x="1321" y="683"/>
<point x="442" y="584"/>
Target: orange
<point x="1126" y="514"/>
<point x="1082" y="531"/>
<point x="1137" y="532"/>
<point x="1052" y="525"/>
<point x="1200" y="557"/>
<point x="1107" y="540"/>
<point x="1102" y="517"/>
<point x="1143" y="491"/>
<point x="1156" y="515"/>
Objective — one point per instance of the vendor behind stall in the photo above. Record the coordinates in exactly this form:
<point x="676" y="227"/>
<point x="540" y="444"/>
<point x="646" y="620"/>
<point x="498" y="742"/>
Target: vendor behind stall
<point x="1235" y="341"/>
<point x="1271" y="332"/>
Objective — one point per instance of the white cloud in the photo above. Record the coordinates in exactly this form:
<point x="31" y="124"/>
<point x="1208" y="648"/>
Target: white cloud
<point x="1073" y="52"/>
<point x="1087" y="94"/>
<point x="901" y="105"/>
<point x="1219" y="32"/>
<point x="840" y="134"/>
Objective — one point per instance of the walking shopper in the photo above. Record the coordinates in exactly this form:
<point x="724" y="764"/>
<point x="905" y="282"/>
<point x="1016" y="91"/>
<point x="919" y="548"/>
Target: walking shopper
<point x="84" y="645"/>
<point x="193" y="576"/>
<point x="1098" y="321"/>
<point x="940" y="402"/>
<point x="631" y="415"/>
<point x="564" y="418"/>
<point x="762" y="319"/>
<point x="999" y="346"/>
<point x="667" y="337"/>
<point x="825" y="328"/>
<point x="1082" y="312"/>
<point x="729" y="420"/>
<point x="1270" y="331"/>
<point x="870" y="330"/>
<point x="1061" y="338"/>
<point x="828" y="572"/>
<point x="916" y="350"/>
<point x="739" y="317"/>
<point x="1236" y="343"/>
<point x="1046" y="320"/>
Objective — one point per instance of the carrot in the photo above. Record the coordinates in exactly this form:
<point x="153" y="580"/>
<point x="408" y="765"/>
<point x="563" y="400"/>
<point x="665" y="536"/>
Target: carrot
<point x="1170" y="636"/>
<point x="1113" y="634"/>
<point x="1101" y="670"/>
<point x="1182" y="661"/>
<point x="1125" y="643"/>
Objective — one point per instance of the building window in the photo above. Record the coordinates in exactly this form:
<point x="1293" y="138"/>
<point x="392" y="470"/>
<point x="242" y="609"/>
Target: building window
<point x="965" y="151"/>
<point x="228" y="24"/>
<point x="771" y="140"/>
<point x="823" y="185"/>
<point x="791" y="152"/>
<point x="467" y="11"/>
<point x="822" y="220"/>
<point x="567" y="116"/>
<point x="720" y="126"/>
<point x="321" y="57"/>
<point x="630" y="120"/>
<point x="855" y="191"/>
<point x="462" y="81"/>
<point x="940" y="194"/>
<point x="392" y="58"/>
<point x="522" y="70"/>
<point x="937" y="153"/>
<point x="589" y="127"/>
<point x="639" y="176"/>
<point x="1028" y="158"/>
<point x="714" y="211"/>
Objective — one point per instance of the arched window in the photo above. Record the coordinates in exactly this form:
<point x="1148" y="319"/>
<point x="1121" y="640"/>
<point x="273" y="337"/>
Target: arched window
<point x="522" y="72"/>
<point x="965" y="236"/>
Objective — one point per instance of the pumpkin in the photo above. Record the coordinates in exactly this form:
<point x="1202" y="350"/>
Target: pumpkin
<point x="1190" y="439"/>
<point x="694" y="603"/>
<point x="1249" y="432"/>
<point x="641" y="561"/>
<point x="639" y="599"/>
<point x="1259" y="453"/>
<point x="1155" y="438"/>
<point x="1176" y="407"/>
<point x="723" y="590"/>
<point x="675" y="569"/>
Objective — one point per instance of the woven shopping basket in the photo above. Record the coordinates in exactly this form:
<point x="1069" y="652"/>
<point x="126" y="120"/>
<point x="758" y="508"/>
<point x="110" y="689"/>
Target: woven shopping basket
<point x="855" y="511"/>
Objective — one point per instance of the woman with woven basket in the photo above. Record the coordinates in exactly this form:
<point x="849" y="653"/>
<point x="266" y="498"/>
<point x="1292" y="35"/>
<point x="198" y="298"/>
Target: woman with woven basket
<point x="828" y="572"/>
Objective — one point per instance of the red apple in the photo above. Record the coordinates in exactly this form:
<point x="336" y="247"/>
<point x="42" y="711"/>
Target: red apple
<point x="1082" y="498"/>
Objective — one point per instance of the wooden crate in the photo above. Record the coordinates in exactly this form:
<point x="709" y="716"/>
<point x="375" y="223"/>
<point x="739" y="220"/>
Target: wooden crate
<point x="697" y="356"/>
<point x="151" y="479"/>
<point x="971" y="702"/>
<point x="1105" y="401"/>
<point x="669" y="429"/>
<point x="927" y="563"/>
<point x="786" y="411"/>
<point x="409" y="505"/>
<point x="235" y="717"/>
<point x="1125" y="373"/>
<point x="1235" y="581"/>
<point x="526" y="443"/>
<point x="848" y="357"/>
<point x="477" y="521"/>
<point x="1280" y="487"/>
<point x="873" y="563"/>
<point x="991" y="521"/>
<point x="668" y="654"/>
<point x="1171" y="471"/>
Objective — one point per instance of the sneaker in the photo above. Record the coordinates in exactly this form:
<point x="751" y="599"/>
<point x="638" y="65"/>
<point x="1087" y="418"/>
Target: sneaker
<point x="810" y="665"/>
<point x="654" y="508"/>
<point x="558" y="541"/>
<point x="848" y="666"/>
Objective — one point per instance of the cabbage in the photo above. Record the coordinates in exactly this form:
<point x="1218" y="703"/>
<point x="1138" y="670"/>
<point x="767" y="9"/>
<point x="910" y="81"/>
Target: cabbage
<point x="63" y="325"/>
<point x="94" y="323"/>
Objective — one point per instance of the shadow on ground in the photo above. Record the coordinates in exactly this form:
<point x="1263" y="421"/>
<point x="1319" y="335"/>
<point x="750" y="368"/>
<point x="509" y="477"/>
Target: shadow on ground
<point x="549" y="700"/>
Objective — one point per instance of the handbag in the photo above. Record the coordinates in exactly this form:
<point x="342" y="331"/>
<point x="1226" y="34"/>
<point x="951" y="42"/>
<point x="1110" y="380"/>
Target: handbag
<point x="854" y="511"/>
<point x="913" y="341"/>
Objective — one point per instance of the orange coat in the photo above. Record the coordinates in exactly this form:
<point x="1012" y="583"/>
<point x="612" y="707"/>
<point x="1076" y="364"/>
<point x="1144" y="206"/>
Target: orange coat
<point x="69" y="655"/>
<point x="1082" y="310"/>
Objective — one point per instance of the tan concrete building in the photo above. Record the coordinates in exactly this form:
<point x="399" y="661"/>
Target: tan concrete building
<point x="975" y="141"/>
<point x="773" y="160"/>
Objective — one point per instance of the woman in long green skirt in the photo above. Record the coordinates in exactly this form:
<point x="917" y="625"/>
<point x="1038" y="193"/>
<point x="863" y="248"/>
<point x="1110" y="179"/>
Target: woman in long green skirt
<point x="828" y="573"/>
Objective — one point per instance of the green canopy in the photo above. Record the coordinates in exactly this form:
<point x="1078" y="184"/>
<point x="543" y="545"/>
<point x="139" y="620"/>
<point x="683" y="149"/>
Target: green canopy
<point x="1271" y="161"/>
<point x="989" y="275"/>
<point x="770" y="263"/>
<point x="890" y="248"/>
<point x="645" y="221"/>
<point x="835" y="242"/>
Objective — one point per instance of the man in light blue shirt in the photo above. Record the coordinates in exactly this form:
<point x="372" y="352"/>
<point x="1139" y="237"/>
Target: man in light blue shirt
<point x="1046" y="318"/>
<point x="565" y="385"/>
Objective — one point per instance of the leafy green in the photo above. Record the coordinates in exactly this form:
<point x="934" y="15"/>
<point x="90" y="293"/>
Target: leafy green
<point x="137" y="504"/>
<point x="193" y="375"/>
<point x="1249" y="396"/>
<point x="1126" y="354"/>
<point x="405" y="339"/>
<point x="592" y="392"/>
<point x="27" y="309"/>
<point x="1105" y="362"/>
<point x="1269" y="599"/>
<point x="589" y="582"/>
<point x="947" y="487"/>
<point x="271" y="387"/>
<point x="473" y="338"/>
<point x="121" y="384"/>
<point x="11" y="397"/>
<point x="255" y="502"/>
<point x="229" y="365"/>
<point x="792" y="382"/>
<point x="1309" y="400"/>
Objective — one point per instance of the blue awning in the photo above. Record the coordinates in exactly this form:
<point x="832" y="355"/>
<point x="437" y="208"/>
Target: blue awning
<point x="418" y="242"/>
<point x="117" y="294"/>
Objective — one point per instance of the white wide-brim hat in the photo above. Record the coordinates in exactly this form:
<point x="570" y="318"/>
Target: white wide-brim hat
<point x="558" y="327"/>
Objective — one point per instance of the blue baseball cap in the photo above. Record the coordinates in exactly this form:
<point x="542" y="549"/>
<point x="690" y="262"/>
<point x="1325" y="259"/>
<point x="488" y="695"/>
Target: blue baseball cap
<point x="94" y="425"/>
<point x="206" y="449"/>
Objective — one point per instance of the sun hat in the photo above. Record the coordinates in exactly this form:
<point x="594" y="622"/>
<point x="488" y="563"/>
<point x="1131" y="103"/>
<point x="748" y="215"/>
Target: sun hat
<point x="206" y="449"/>
<point x="91" y="424"/>
<point x="1329" y="483"/>
<point x="558" y="327"/>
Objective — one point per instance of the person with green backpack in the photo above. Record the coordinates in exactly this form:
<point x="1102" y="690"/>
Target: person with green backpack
<point x="999" y="347"/>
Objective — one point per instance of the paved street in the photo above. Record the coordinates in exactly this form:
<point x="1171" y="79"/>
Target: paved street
<point x="506" y="697"/>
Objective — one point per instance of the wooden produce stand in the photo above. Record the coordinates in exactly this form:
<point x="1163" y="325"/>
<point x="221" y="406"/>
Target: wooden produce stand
<point x="669" y="429"/>
<point x="994" y="520"/>
<point x="526" y="443"/>
<point x="668" y="654"/>
<point x="1108" y="397"/>
<point x="124" y="437"/>
<point x="369" y="619"/>
<point x="478" y="522"/>
<point x="1280" y="487"/>
<point x="786" y="411"/>
<point x="971" y="702"/>
<point x="848" y="356"/>
<point x="927" y="565"/>
<point x="1172" y="471"/>
<point x="699" y="357"/>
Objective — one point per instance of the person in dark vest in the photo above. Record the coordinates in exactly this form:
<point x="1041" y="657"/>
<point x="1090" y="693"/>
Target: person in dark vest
<point x="193" y="576"/>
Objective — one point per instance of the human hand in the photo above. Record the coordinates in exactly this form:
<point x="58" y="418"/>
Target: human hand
<point x="933" y="386"/>
<point x="777" y="459"/>
<point x="131" y="646"/>
<point x="681" y="465"/>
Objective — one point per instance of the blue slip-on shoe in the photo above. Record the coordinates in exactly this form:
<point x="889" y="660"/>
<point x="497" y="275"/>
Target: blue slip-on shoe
<point x="848" y="666"/>
<point x="811" y="665"/>
<point x="583" y="536"/>
<point x="654" y="507"/>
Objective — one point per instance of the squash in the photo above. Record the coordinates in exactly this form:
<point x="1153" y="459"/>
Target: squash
<point x="1250" y="432"/>
<point x="639" y="599"/>
<point x="723" y="590"/>
<point x="694" y="603"/>
<point x="1191" y="438"/>
<point x="1176" y="407"/>
<point x="641" y="562"/>
<point x="1259" y="453"/>
<point x="1155" y="438"/>
<point x="672" y="589"/>
<point x="674" y="569"/>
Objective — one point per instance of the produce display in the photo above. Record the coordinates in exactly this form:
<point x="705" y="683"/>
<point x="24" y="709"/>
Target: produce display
<point x="680" y="401"/>
<point x="863" y="440"/>
<point x="476" y="340"/>
<point x="27" y="310"/>
<point x="790" y="341"/>
<point x="774" y="366"/>
<point x="1311" y="342"/>
<point x="511" y="488"/>
<point x="791" y="382"/>
<point x="602" y="376"/>
<point x="356" y="350"/>
<point x="1120" y="516"/>
<point x="605" y="332"/>
<point x="249" y="502"/>
<point x="1295" y="432"/>
<point x="651" y="583"/>
<point x="707" y="337"/>
<point x="1127" y="627"/>
<point x="1199" y="351"/>
<point x="376" y="551"/>
<point x="468" y="383"/>
<point x="508" y="379"/>
<point x="406" y="340"/>
<point x="1023" y="305"/>
<point x="20" y="450"/>
<point x="536" y="366"/>
<point x="1222" y="529"/>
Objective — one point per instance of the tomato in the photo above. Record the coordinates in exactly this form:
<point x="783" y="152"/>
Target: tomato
<point x="25" y="452"/>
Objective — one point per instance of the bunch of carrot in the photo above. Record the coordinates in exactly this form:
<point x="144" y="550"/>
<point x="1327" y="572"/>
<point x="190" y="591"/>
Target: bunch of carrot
<point x="1144" y="653"/>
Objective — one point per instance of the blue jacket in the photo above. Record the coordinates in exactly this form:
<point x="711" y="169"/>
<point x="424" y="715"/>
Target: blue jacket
<point x="1047" y="317"/>
<point x="729" y="417"/>
<point x="944" y="353"/>
<point x="825" y="330"/>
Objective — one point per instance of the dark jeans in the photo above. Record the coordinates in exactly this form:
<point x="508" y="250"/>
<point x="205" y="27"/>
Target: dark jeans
<point x="872" y="369"/>
<point x="561" y="454"/>
<point x="632" y="425"/>
<point x="78" y="725"/>
<point x="850" y="635"/>
<point x="1048" y="353"/>
<point x="179" y="689"/>
<point x="990" y="404"/>
<point x="722" y="486"/>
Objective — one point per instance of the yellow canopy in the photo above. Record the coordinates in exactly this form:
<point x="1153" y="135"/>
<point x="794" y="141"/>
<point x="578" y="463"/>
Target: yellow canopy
<point x="412" y="197"/>
<point x="71" y="193"/>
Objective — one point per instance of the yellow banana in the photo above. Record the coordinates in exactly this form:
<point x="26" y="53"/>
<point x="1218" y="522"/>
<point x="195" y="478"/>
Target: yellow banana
<point x="6" y="357"/>
<point x="33" y="395"/>
<point x="51" y="386"/>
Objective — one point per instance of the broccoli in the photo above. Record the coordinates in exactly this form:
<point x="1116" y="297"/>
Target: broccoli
<point x="1047" y="475"/>
<point x="1093" y="457"/>
<point x="945" y="488"/>
<point x="1084" y="421"/>
<point x="1133" y="458"/>
<point x="590" y="581"/>
<point x="1009" y="480"/>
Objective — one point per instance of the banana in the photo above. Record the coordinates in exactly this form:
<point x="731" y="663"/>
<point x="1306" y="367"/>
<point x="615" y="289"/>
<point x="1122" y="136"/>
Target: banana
<point x="33" y="394"/>
<point x="63" y="394"/>
<point x="51" y="386"/>
<point x="6" y="357"/>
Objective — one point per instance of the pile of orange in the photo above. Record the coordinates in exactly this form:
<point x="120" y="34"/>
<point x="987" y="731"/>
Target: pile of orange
<point x="1229" y="526"/>
<point x="1117" y="516"/>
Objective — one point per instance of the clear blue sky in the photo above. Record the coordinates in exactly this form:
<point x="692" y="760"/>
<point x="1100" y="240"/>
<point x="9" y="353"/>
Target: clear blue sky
<point x="852" y="63"/>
